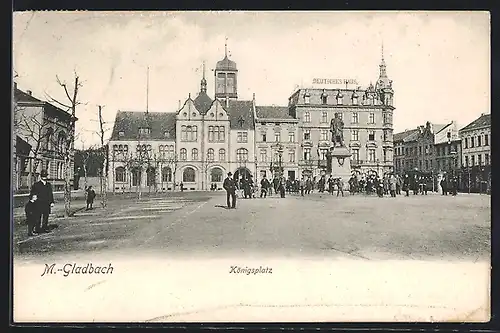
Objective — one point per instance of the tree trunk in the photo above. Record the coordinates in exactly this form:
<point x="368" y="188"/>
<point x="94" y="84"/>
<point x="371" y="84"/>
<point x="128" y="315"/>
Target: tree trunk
<point x="67" y="186"/>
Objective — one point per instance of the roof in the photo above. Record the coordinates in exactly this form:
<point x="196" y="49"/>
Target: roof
<point x="409" y="134"/>
<point x="50" y="109"/>
<point x="129" y="123"/>
<point x="273" y="112"/>
<point x="241" y="115"/>
<point x="226" y="64"/>
<point x="483" y="121"/>
<point x="21" y="96"/>
<point x="439" y="127"/>
<point x="202" y="102"/>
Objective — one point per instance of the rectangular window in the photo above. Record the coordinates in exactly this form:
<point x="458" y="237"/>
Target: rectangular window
<point x="472" y="162"/>
<point x="210" y="133"/>
<point x="242" y="137"/>
<point x="371" y="136"/>
<point x="324" y="135"/>
<point x="466" y="144"/>
<point x="371" y="155"/>
<point x="371" y="119"/>
<point x="355" y="155"/>
<point x="322" y="154"/>
<point x="466" y="161"/>
<point x="144" y="130"/>
<point x="277" y="136"/>
<point x="486" y="142"/>
<point x="291" y="156"/>
<point x="479" y="140"/>
<point x="264" y="138"/>
<point x="324" y="99"/>
<point x="307" y="117"/>
<point x="385" y="154"/>
<point x="384" y="115"/>
<point x="486" y="159"/>
<point x="426" y="164"/>
<point x="355" y="135"/>
<point x="355" y="118"/>
<point x="420" y="150"/>
<point x="263" y="155"/>
<point x="472" y="142"/>
<point x="291" y="137"/>
<point x="307" y="154"/>
<point x="324" y="117"/>
<point x="307" y="134"/>
<point x="479" y="159"/>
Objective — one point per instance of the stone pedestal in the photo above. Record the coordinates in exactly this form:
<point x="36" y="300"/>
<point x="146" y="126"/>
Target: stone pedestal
<point x="341" y="163"/>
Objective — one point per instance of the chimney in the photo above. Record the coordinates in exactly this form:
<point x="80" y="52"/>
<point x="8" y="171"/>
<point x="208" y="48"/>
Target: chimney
<point x="29" y="92"/>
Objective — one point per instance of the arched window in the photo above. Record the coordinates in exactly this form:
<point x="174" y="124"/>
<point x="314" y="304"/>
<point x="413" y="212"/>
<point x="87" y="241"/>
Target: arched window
<point x="120" y="175"/>
<point x="188" y="176"/>
<point x="49" y="138"/>
<point x="184" y="136"/>
<point x="150" y="176"/>
<point x="183" y="154"/>
<point x="216" y="175"/>
<point x="210" y="154"/>
<point x="61" y="142"/>
<point x="222" y="154"/>
<point x="242" y="155"/>
<point x="166" y="174"/>
<point x="222" y="133"/>
<point x="194" y="154"/>
<point x="216" y="133"/>
<point x="194" y="135"/>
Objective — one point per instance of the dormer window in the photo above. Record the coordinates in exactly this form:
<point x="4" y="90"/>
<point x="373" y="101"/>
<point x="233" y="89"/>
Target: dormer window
<point x="121" y="134"/>
<point x="307" y="98"/>
<point x="340" y="98"/>
<point x="144" y="130"/>
<point x="166" y="135"/>
<point x="324" y="98"/>
<point x="355" y="100"/>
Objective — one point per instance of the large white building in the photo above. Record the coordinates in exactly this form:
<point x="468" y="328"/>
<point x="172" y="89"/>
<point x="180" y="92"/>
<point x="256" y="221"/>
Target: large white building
<point x="197" y="145"/>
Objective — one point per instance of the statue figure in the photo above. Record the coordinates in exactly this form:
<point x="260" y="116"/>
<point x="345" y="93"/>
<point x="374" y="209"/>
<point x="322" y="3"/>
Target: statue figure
<point x="337" y="129"/>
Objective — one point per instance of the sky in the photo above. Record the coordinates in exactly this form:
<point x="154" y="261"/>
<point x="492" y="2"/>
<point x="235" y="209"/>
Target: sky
<point x="439" y="61"/>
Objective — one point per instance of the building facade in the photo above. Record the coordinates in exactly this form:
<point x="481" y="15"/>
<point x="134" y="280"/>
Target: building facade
<point x="197" y="145"/>
<point x="476" y="138"/>
<point x="429" y="148"/>
<point x="368" y="126"/>
<point x="41" y="131"/>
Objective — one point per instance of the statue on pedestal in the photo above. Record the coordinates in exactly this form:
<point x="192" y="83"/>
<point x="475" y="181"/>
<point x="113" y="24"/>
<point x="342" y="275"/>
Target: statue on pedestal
<point x="337" y="129"/>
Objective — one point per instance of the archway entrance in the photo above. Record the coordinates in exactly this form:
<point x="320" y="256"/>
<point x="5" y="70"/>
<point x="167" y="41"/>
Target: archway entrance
<point x="242" y="173"/>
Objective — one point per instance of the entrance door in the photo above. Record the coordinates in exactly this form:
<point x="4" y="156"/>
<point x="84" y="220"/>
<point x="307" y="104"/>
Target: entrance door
<point x="291" y="175"/>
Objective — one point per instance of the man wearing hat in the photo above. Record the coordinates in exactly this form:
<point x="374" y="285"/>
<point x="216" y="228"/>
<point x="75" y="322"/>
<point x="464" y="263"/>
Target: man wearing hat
<point x="45" y="200"/>
<point x="230" y="187"/>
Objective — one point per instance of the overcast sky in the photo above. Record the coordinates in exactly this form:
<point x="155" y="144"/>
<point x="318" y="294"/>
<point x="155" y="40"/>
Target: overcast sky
<point x="439" y="61"/>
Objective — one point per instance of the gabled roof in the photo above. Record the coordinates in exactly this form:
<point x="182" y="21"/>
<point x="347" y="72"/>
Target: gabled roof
<point x="240" y="112"/>
<point x="439" y="127"/>
<point x="483" y="121"/>
<point x="129" y="123"/>
<point x="404" y="136"/>
<point x="273" y="112"/>
<point x="49" y="109"/>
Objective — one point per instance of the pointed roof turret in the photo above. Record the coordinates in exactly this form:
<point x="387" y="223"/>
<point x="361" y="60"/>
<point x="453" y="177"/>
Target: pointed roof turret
<point x="383" y="81"/>
<point x="203" y="102"/>
<point x="226" y="64"/>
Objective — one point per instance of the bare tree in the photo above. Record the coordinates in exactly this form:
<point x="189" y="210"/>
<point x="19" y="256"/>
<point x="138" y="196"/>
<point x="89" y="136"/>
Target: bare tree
<point x="70" y="106"/>
<point x="86" y="153"/>
<point x="172" y="161"/>
<point x="104" y="155"/>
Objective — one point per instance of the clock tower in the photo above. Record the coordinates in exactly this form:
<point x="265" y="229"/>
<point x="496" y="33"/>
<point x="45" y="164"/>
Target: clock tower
<point x="226" y="75"/>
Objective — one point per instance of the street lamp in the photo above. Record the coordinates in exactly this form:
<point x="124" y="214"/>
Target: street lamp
<point x="279" y="148"/>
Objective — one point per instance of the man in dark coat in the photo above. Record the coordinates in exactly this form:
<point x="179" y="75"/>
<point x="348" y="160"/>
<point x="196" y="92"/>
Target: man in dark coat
<point x="90" y="197"/>
<point x="32" y="215"/>
<point x="406" y="185"/>
<point x="264" y="185"/>
<point x="230" y="187"/>
<point x="45" y="200"/>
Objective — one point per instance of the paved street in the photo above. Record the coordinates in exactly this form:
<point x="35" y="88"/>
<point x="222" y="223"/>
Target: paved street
<point x="358" y="227"/>
<point x="355" y="258"/>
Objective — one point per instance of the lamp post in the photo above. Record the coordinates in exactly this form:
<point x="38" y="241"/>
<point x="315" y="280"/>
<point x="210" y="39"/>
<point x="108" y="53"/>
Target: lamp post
<point x="280" y="156"/>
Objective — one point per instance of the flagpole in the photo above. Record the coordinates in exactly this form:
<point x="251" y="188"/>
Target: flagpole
<point x="147" y="91"/>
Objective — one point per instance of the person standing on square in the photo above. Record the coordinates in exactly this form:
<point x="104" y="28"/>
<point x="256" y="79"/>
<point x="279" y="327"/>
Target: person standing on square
<point x="230" y="187"/>
<point x="32" y="216"/>
<point x="45" y="199"/>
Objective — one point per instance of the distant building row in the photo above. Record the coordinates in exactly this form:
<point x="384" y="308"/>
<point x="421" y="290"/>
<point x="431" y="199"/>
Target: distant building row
<point x="436" y="148"/>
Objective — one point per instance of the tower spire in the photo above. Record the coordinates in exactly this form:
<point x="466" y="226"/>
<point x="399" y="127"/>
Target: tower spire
<point x="203" y="80"/>
<point x="225" y="48"/>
